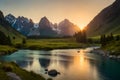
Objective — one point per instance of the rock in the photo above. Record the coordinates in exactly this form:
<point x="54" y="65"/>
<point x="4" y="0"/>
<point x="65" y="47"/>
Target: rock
<point x="46" y="69"/>
<point x="53" y="73"/>
<point x="13" y="76"/>
<point x="78" y="51"/>
<point x="118" y="57"/>
<point x="45" y="72"/>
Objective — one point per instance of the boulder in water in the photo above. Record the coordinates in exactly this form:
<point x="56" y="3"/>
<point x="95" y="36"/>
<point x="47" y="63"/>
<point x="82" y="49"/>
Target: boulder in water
<point x="53" y="73"/>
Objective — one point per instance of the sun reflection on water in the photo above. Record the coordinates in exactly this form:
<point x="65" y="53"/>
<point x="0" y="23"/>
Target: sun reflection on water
<point x="73" y="64"/>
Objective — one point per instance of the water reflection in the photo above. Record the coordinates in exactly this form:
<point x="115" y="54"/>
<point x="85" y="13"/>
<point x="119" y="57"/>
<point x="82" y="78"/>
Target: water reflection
<point x="72" y="65"/>
<point x="44" y="62"/>
<point x="24" y="63"/>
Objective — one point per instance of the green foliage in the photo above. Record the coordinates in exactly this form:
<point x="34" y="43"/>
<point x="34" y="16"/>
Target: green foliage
<point x="3" y="75"/>
<point x="81" y="36"/>
<point x="44" y="44"/>
<point x="111" y="43"/>
<point x="23" y="74"/>
<point x="48" y="44"/>
<point x="6" y="49"/>
<point x="8" y="31"/>
<point x="103" y="40"/>
<point x="106" y="39"/>
<point x="14" y="38"/>
<point x="4" y="40"/>
<point x="117" y="37"/>
<point x="113" y="47"/>
<point x="9" y="40"/>
<point x="24" y="41"/>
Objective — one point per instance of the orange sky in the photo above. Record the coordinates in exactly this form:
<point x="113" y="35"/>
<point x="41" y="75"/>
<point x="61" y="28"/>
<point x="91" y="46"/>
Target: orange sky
<point x="80" y="12"/>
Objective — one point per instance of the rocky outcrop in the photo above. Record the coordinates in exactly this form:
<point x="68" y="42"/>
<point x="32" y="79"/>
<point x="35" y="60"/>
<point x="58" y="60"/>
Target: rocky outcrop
<point x="46" y="28"/>
<point x="21" y="24"/>
<point x="13" y="76"/>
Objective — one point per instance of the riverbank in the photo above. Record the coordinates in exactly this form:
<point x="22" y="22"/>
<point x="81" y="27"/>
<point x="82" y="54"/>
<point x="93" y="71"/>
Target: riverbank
<point x="113" y="47"/>
<point x="44" y="44"/>
<point x="41" y="44"/>
<point x="11" y="71"/>
<point x="106" y="53"/>
<point x="4" y="49"/>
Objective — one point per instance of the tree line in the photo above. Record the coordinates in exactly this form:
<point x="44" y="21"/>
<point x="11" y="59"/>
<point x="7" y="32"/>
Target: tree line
<point x="81" y="36"/>
<point x="105" y="39"/>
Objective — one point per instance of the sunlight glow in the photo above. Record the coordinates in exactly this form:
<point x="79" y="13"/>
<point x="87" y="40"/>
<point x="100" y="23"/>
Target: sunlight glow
<point x="56" y="10"/>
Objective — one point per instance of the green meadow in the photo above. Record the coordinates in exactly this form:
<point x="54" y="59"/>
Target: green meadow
<point x="49" y="44"/>
<point x="42" y="44"/>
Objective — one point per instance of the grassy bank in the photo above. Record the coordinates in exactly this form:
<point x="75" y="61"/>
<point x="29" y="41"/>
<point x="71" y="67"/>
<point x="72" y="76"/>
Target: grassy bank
<point x="113" y="47"/>
<point x="12" y="67"/>
<point x="49" y="44"/>
<point x="6" y="49"/>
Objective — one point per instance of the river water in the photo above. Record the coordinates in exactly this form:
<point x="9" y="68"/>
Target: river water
<point x="73" y="64"/>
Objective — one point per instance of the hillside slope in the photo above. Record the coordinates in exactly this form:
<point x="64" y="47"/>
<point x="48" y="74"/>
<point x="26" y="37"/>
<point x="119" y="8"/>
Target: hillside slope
<point x="107" y="21"/>
<point x="6" y="28"/>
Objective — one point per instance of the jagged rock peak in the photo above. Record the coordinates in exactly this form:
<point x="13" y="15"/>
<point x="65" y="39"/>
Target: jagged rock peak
<point x="44" y="19"/>
<point x="44" y="22"/>
<point x="66" y="20"/>
<point x="10" y="15"/>
<point x="1" y="14"/>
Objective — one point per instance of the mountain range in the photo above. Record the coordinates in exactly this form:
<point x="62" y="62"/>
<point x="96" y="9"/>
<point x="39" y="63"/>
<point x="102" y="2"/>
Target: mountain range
<point x="106" y="22"/>
<point x="21" y="24"/>
<point x="44" y="28"/>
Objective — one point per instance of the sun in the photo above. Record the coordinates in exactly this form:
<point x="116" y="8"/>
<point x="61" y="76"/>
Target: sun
<point x="81" y="27"/>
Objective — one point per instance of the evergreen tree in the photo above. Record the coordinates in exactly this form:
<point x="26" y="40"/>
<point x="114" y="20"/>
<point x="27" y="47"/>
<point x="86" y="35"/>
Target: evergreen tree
<point x="117" y="38"/>
<point x="103" y="40"/>
<point x="81" y="36"/>
<point x="24" y="41"/>
<point x="84" y="36"/>
<point x="3" y="38"/>
<point x="9" y="40"/>
<point x="14" y="38"/>
<point x="111" y="37"/>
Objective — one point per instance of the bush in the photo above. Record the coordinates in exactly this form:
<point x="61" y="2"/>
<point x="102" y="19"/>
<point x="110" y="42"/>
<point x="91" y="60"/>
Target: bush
<point x="7" y="68"/>
<point x="19" y="45"/>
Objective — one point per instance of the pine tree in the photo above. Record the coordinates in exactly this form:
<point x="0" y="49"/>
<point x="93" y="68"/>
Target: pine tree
<point x="24" y="41"/>
<point x="9" y="40"/>
<point x="111" y="37"/>
<point x="84" y="37"/>
<point x="103" y="40"/>
<point x="117" y="38"/>
<point x="81" y="36"/>
<point x="3" y="38"/>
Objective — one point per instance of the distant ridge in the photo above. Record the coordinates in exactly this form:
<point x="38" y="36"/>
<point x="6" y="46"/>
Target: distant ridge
<point x="44" y="28"/>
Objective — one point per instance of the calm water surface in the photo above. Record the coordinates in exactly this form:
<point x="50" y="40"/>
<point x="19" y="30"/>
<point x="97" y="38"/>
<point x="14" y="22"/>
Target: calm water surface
<point x="73" y="64"/>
